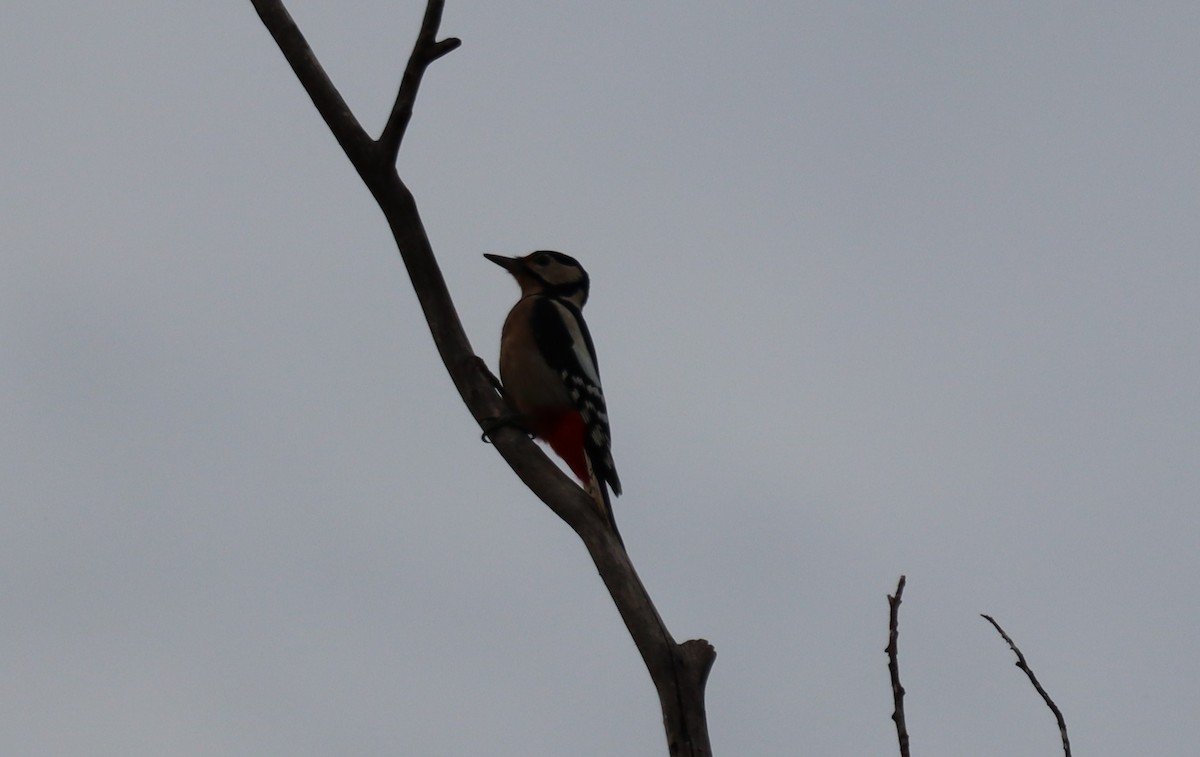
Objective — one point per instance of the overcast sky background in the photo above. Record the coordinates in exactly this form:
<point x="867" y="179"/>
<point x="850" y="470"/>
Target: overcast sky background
<point x="877" y="289"/>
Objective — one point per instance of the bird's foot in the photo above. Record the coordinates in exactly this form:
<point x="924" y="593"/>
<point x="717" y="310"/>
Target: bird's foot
<point x="490" y="425"/>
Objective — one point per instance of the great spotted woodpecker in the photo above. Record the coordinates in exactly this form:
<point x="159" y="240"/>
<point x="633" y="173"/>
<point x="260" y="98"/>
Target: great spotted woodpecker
<point x="549" y="371"/>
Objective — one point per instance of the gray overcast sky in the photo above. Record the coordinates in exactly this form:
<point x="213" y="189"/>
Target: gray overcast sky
<point x="877" y="289"/>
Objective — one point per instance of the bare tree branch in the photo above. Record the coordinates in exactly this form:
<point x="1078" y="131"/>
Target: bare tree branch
<point x="426" y="51"/>
<point x="894" y="666"/>
<point x="312" y="76"/>
<point x="1058" y="716"/>
<point x="679" y="671"/>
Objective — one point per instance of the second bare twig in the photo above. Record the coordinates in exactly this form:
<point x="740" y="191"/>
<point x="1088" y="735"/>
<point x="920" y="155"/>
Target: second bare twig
<point x="894" y="667"/>
<point x="1062" y="724"/>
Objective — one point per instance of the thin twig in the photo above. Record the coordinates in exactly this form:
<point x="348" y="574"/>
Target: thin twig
<point x="426" y="51"/>
<point x="1062" y="724"/>
<point x="894" y="667"/>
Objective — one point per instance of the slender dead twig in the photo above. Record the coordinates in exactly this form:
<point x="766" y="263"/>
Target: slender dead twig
<point x="426" y="51"/>
<point x="679" y="671"/>
<point x="894" y="667"/>
<point x="1062" y="724"/>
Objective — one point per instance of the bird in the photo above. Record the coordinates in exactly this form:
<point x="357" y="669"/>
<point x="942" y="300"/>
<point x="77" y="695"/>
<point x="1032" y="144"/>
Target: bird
<point x="549" y="372"/>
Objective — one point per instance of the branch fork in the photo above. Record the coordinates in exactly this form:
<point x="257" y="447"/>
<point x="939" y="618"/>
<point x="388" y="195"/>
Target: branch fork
<point x="679" y="671"/>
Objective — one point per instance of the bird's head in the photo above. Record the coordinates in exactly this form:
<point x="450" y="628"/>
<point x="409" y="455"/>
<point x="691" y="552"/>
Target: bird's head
<point x="549" y="273"/>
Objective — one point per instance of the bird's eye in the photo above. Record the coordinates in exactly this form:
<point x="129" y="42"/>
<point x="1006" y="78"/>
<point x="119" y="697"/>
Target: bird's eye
<point x="542" y="260"/>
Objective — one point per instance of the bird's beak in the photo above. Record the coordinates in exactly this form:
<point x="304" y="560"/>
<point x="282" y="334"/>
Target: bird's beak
<point x="512" y="265"/>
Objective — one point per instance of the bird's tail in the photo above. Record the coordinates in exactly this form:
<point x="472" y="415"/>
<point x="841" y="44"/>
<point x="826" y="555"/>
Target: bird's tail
<point x="599" y="492"/>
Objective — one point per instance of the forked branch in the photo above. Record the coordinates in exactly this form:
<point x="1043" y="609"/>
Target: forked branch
<point x="426" y="51"/>
<point x="679" y="671"/>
